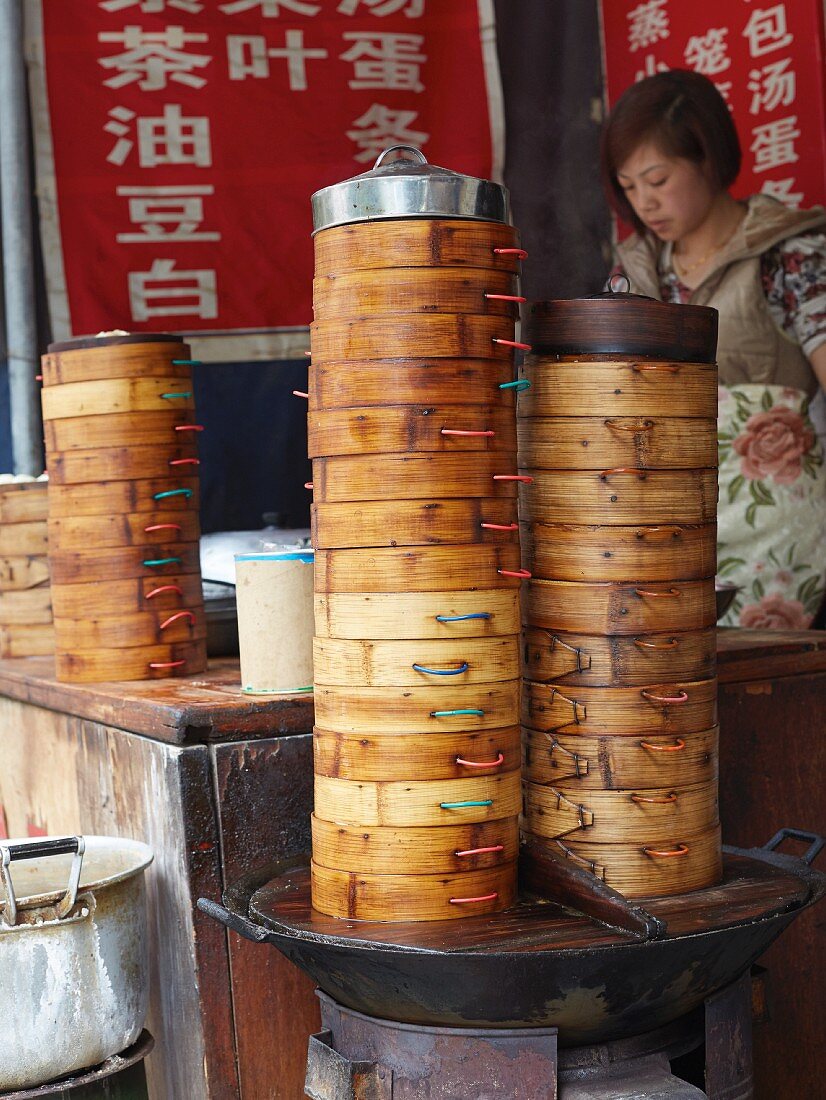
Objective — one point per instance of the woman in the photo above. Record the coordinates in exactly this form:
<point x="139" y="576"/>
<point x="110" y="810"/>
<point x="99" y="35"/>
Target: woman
<point x="670" y="153"/>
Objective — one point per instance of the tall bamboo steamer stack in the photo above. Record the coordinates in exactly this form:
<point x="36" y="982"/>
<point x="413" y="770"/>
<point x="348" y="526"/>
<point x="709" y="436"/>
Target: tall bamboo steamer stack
<point x="121" y="449"/>
<point x="618" y="433"/>
<point x="417" y="570"/>
<point x="25" y="597"/>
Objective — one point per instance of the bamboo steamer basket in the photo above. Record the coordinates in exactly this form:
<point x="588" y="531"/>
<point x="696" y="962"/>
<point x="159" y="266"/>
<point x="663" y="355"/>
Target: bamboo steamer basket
<point x="115" y="497"/>
<point x="418" y="710"/>
<point x="613" y="608"/>
<point x="684" y="707"/>
<point x="436" y="755"/>
<point x="603" y="817"/>
<point x="445" y="335"/>
<point x="137" y="628"/>
<point x="483" y="613"/>
<point x="21" y="573"/>
<point x="412" y="897"/>
<point x="344" y="385"/>
<point x="171" y="593"/>
<point x="417" y="569"/>
<point x="31" y="607"/>
<point x="120" y="562"/>
<point x="436" y="802"/>
<point x="414" y="476"/>
<point x="341" y="662"/>
<point x="24" y="502"/>
<point x="579" y="762"/>
<point x="27" y="640"/>
<point x="399" y="428"/>
<point x="622" y="496"/>
<point x="417" y="290"/>
<point x="125" y="529"/>
<point x="24" y="539"/>
<point x="122" y="464"/>
<point x="618" y="660"/>
<point x="135" y="663"/>
<point x="116" y="395"/>
<point x="451" y="849"/>
<point x="144" y="355"/>
<point x="640" y="870"/>
<point x="82" y="433"/>
<point x="597" y="443"/>
<point x="574" y="552"/>
<point x="414" y="523"/>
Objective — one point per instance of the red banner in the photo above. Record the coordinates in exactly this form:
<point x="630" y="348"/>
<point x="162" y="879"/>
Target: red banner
<point x="181" y="141"/>
<point x="766" y="59"/>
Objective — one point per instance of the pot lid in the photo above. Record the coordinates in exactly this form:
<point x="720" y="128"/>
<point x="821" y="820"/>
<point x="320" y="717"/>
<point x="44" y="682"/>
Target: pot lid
<point x="403" y="185"/>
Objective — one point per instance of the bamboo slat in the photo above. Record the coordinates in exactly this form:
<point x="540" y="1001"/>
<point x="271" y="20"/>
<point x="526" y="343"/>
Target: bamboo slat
<point x="611" y="608"/>
<point x="341" y="662"/>
<point x="622" y="497"/>
<point x="122" y="463"/>
<point x="135" y="663"/>
<point x="592" y="387"/>
<point x="618" y="660"/>
<point x="32" y="607"/>
<point x="129" y="529"/>
<point x="419" y="851"/>
<point x="24" y="502"/>
<point x="90" y="599"/>
<point x="151" y="360"/>
<point x="24" y="573"/>
<point x="408" y="336"/>
<point x="415" y="290"/>
<point x="413" y="897"/>
<point x="126" y="429"/>
<point x="24" y="538"/>
<point x="136" y="628"/>
<point x="392" y="429"/>
<point x="420" y="802"/>
<point x="413" y="477"/>
<point x="485" y="613"/>
<point x="413" y="523"/>
<point x="397" y="756"/>
<point x="81" y="399"/>
<point x="27" y="640"/>
<point x="114" y="497"/>
<point x="418" y="710"/>
<point x="416" y="569"/>
<point x="579" y="762"/>
<point x="684" y="707"/>
<point x="597" y="443"/>
<point x="576" y="552"/>
<point x="119" y="562"/>
<point x="343" y="385"/>
<point x="416" y="242"/>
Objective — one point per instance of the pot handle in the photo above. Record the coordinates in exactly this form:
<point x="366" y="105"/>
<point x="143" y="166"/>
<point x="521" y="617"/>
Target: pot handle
<point x="234" y="921"/>
<point x="36" y="849"/>
<point x="816" y="842"/>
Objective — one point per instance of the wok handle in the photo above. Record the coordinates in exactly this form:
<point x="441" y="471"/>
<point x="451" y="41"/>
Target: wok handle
<point x="816" y="842"/>
<point x="234" y="921"/>
<point x="37" y="849"/>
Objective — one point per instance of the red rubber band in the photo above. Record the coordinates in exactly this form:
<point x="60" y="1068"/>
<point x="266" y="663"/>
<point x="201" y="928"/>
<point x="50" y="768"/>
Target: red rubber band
<point x="522" y="574"/>
<point x="301" y="393"/>
<point x="678" y="746"/>
<point x="163" y="527"/>
<point x="512" y="343"/>
<point x="468" y="901"/>
<point x="681" y="698"/>
<point x="482" y="763"/>
<point x="526" y="479"/>
<point x="481" y="851"/>
<point x="164" y="588"/>
<point x="506" y="297"/>
<point x="184" y="462"/>
<point x="500" y="526"/>
<point x="460" y="431"/>
<point x="166" y="664"/>
<point x="175" y="617"/>
<point x="520" y="252"/>
<point x="308" y="354"/>
<point x="680" y="850"/>
<point x="38" y="378"/>
<point x="189" y="427"/>
<point x="308" y="484"/>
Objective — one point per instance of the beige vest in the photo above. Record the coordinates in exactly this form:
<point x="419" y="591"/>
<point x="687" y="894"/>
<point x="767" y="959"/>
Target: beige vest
<point x="750" y="347"/>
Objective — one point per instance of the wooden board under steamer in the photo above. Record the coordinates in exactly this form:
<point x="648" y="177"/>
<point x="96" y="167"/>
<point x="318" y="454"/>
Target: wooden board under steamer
<point x="135" y="663"/>
<point x="343" y="385"/>
<point x="151" y="360"/>
<point x="570" y="386"/>
<point x="27" y="640"/>
<point x="393" y="756"/>
<point x="617" y="660"/>
<point x="418" y="710"/>
<point x="119" y="395"/>
<point x="596" y="443"/>
<point x="90" y="599"/>
<point x="613" y="608"/>
<point x="31" y="606"/>
<point x="602" y="552"/>
<point x="577" y="762"/>
<point x="338" y="661"/>
<point x="415" y="476"/>
<point x="483" y="613"/>
<point x="442" y="336"/>
<point x="113" y="497"/>
<point x="24" y="538"/>
<point x="451" y="849"/>
<point x="22" y="573"/>
<point x="24" y="502"/>
<point x="130" y="529"/>
<point x="401" y="290"/>
<point x="136" y="628"/>
<point x="119" y="562"/>
<point x="413" y="897"/>
<point x="123" y="463"/>
<point x="416" y="569"/>
<point x="129" y="429"/>
<point x="398" y="429"/>
<point x="413" y="523"/>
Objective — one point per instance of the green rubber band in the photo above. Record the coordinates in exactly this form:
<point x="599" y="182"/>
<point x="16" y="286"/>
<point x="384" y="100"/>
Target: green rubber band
<point x="187" y="363"/>
<point x="163" y="561"/>
<point x="458" y="805"/>
<point x="519" y="384"/>
<point x="448" y="713"/>
<point x="172" y="493"/>
<point x="184" y="393"/>
<point x="250" y="690"/>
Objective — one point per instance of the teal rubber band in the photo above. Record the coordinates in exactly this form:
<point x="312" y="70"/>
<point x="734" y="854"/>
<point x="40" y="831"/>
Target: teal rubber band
<point x="183" y="393"/>
<point x="448" y="713"/>
<point x="163" y="561"/>
<point x="187" y="363"/>
<point x="172" y="493"/>
<point x="458" y="805"/>
<point x="519" y="384"/>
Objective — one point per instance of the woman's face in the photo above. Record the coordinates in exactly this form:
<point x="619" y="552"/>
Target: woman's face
<point x="671" y="195"/>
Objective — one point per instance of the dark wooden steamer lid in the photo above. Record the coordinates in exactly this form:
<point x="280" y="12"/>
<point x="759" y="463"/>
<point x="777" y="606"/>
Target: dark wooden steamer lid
<point x="622" y="324"/>
<point x="80" y="342"/>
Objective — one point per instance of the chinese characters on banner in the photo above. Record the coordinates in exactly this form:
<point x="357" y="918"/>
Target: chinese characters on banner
<point x="765" y="58"/>
<point x="178" y="143"/>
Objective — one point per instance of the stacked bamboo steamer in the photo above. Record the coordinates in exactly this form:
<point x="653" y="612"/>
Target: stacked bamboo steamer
<point x="25" y="599"/>
<point x="121" y="452"/>
<point x="417" y="568"/>
<point x="618" y="432"/>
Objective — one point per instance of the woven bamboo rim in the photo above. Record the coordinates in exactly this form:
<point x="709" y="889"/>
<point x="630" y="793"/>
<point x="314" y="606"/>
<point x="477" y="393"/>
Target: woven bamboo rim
<point x="394" y="756"/>
<point x="27" y="640"/>
<point x="117" y="395"/>
<point x="24" y="502"/>
<point x="451" y="429"/>
<point x="418" y="710"/>
<point x="397" y="615"/>
<point x="113" y="497"/>
<point x="593" y="387"/>
<point x="440" y="336"/>
<point x="448" y="849"/>
<point x="428" y="662"/>
<point x="418" y="476"/>
<point x="612" y="608"/>
<point x="122" y="464"/>
<point x="684" y="707"/>
<point x="342" y="385"/>
<point x="622" y="496"/>
<point x="618" y="661"/>
<point x="594" y="443"/>
<point x="152" y="360"/>
<point x="136" y="628"/>
<point x="31" y="607"/>
<point x="416" y="290"/>
<point x="416" y="242"/>
<point x="119" y="562"/>
<point x="576" y="552"/>
<point x="129" y="429"/>
<point x="417" y="569"/>
<point x="90" y="599"/>
<point x="24" y="538"/>
<point x="19" y="574"/>
<point x="155" y="662"/>
<point x="131" y="529"/>
<point x="579" y="762"/>
<point x="412" y="897"/>
<point x="413" y="523"/>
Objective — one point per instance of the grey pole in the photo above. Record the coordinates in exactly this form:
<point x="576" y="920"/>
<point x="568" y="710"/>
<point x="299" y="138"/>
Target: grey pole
<point x="18" y="244"/>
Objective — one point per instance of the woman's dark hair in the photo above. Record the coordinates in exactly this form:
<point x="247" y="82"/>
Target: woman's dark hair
<point x="684" y="115"/>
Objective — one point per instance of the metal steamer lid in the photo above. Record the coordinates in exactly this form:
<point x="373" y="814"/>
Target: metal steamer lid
<point x="403" y="185"/>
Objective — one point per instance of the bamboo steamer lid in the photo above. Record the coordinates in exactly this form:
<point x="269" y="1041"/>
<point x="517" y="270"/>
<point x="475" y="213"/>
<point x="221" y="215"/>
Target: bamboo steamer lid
<point x="127" y="429"/>
<point x="341" y="385"/>
<point x="27" y="640"/>
<point x="135" y="663"/>
<point x="31" y="606"/>
<point x="90" y="598"/>
<point x="135" y="355"/>
<point x="117" y="395"/>
<point x="452" y="849"/>
<point x="400" y="428"/>
<point x="413" y="523"/>
<point x="445" y="335"/>
<point x="113" y="497"/>
<point x="124" y="529"/>
<point x="122" y="463"/>
<point x="20" y="573"/>
<point x="156" y="560"/>
<point x="601" y="442"/>
<point x="614" y="608"/>
<point x="136" y="628"/>
<point x="24" y="501"/>
<point x="393" y="291"/>
<point x="479" y="613"/>
<point x="414" y="476"/>
<point x="341" y="662"/>
<point x="418" y="710"/>
<point x="418" y="569"/>
<point x="580" y="762"/>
